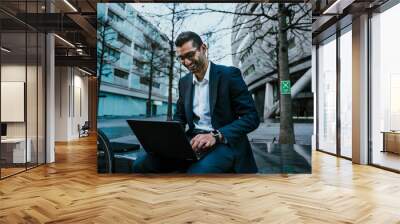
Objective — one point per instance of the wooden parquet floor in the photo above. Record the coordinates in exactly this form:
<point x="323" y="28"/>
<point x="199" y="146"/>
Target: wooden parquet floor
<point x="71" y="191"/>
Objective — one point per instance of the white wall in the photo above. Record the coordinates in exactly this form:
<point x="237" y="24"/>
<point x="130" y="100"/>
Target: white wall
<point x="33" y="126"/>
<point x="61" y="103"/>
<point x="80" y="105"/>
<point x="71" y="102"/>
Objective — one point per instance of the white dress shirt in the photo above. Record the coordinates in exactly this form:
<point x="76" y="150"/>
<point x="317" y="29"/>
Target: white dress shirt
<point x="201" y="101"/>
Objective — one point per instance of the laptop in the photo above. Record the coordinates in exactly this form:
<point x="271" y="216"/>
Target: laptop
<point x="164" y="139"/>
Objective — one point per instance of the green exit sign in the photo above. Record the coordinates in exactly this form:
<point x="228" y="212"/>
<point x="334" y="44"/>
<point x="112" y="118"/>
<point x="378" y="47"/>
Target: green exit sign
<point x="285" y="87"/>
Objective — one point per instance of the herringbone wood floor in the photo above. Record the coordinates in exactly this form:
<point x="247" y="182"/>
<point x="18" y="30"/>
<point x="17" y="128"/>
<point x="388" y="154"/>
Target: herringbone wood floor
<point x="70" y="191"/>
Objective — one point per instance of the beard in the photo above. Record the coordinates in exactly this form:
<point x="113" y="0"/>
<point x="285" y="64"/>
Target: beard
<point x="196" y="66"/>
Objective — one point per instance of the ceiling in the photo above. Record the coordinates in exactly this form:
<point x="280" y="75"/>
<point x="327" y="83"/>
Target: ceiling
<point x="328" y="15"/>
<point x="73" y="21"/>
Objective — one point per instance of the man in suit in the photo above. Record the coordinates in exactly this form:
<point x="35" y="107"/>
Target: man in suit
<point x="216" y="105"/>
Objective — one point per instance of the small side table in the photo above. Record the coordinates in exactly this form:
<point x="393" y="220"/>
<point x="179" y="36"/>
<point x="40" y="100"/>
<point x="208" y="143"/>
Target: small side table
<point x="391" y="141"/>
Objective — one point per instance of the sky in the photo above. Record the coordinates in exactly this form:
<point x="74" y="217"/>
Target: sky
<point x="220" y="48"/>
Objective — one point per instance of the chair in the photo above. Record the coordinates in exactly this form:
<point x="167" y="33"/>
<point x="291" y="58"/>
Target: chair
<point x="84" y="130"/>
<point x="114" y="150"/>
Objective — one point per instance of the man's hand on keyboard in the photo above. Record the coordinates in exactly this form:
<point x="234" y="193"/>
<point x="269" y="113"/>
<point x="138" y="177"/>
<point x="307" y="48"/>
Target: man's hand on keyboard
<point x="202" y="142"/>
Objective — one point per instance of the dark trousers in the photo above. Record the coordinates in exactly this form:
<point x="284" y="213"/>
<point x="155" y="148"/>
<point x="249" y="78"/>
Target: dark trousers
<point x="219" y="160"/>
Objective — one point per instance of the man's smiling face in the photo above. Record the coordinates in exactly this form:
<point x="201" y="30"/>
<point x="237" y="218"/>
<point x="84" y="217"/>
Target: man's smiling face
<point x="192" y="58"/>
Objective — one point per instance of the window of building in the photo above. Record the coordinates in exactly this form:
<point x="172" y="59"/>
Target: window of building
<point x="139" y="49"/>
<point x="124" y="40"/>
<point x="122" y="5"/>
<point x="146" y="81"/>
<point x="291" y="43"/>
<point x="121" y="74"/>
<point x="334" y="94"/>
<point x="155" y="34"/>
<point x="327" y="95"/>
<point x="113" y="54"/>
<point x="250" y="70"/>
<point x="385" y="89"/>
<point x="142" y="21"/>
<point x="114" y="17"/>
<point x="149" y="39"/>
<point x="246" y="55"/>
<point x="165" y="39"/>
<point x="138" y="64"/>
<point x="346" y="94"/>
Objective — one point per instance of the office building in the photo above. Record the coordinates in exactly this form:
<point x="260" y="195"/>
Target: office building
<point x="133" y="47"/>
<point x="254" y="51"/>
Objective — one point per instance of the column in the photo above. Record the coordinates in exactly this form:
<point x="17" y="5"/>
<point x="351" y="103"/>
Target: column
<point x="259" y="101"/>
<point x="269" y="100"/>
<point x="50" y="98"/>
<point x="360" y="89"/>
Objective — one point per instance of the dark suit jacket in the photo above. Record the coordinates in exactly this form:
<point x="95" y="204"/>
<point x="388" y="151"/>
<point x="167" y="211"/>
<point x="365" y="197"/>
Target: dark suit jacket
<point x="232" y="111"/>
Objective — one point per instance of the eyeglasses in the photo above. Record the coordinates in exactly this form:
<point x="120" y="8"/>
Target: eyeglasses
<point x="189" y="55"/>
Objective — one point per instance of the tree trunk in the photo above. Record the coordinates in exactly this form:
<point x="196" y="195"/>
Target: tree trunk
<point x="148" y="110"/>
<point x="170" y="79"/>
<point x="286" y="135"/>
<point x="101" y="65"/>
<point x="171" y="65"/>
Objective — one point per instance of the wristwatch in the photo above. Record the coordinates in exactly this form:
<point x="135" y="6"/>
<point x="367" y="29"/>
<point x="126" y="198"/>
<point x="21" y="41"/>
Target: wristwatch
<point x="217" y="135"/>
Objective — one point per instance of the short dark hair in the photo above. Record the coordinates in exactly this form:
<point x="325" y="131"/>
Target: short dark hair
<point x="188" y="36"/>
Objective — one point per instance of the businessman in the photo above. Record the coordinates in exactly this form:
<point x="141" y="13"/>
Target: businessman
<point x="216" y="105"/>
